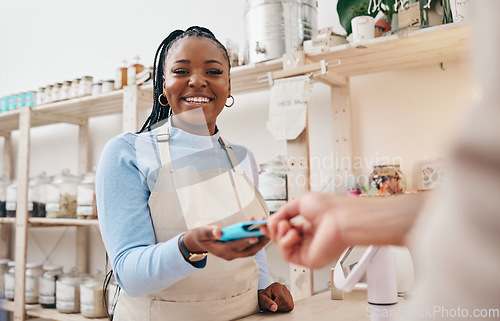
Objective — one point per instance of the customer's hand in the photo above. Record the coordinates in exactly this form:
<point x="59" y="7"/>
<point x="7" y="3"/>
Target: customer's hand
<point x="330" y="223"/>
<point x="276" y="297"/>
<point x="206" y="239"/>
<point x="312" y="241"/>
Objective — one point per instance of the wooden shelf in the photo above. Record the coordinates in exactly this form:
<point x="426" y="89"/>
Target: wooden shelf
<point x="47" y="222"/>
<point x="409" y="49"/>
<point x="52" y="314"/>
<point x="75" y="111"/>
<point x="7" y="220"/>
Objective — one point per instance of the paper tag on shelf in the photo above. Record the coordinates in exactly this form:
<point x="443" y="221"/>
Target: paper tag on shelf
<point x="409" y="16"/>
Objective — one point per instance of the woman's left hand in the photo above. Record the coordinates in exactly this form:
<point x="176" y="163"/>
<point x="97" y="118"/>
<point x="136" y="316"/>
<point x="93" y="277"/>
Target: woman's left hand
<point x="276" y="297"/>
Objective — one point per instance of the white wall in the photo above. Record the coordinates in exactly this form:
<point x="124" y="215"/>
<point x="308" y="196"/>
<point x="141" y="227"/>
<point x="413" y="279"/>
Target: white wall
<point x="411" y="114"/>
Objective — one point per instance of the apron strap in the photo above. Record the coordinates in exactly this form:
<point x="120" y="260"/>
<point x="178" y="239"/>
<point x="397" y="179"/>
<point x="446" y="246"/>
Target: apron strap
<point x="232" y="158"/>
<point x="162" y="140"/>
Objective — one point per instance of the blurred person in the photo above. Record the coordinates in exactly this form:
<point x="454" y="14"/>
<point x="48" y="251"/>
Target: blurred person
<point x="455" y="234"/>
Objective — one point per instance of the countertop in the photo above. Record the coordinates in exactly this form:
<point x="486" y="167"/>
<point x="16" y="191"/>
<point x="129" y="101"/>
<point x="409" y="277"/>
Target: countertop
<point x="321" y="307"/>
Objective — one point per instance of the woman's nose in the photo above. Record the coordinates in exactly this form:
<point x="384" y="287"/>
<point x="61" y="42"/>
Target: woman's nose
<point x="197" y="80"/>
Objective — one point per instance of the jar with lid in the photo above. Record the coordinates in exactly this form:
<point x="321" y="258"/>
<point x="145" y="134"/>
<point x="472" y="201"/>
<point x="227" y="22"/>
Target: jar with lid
<point x="56" y="88"/>
<point x="48" y="279"/>
<point x="4" y="104"/>
<point x="9" y="278"/>
<point x="11" y="200"/>
<point x="97" y="88"/>
<point x="30" y="98"/>
<point x="3" y="270"/>
<point x="12" y="99"/>
<point x="32" y="291"/>
<point x="91" y="297"/>
<point x="135" y="68"/>
<point x="75" y="88"/>
<point x="61" y="195"/>
<point x="39" y="190"/>
<point x="40" y="94"/>
<point x="121" y="75"/>
<point x="47" y="97"/>
<point x="64" y="93"/>
<point x="4" y="182"/>
<point x="21" y="100"/>
<point x="108" y="86"/>
<point x="29" y="206"/>
<point x="273" y="182"/>
<point x="387" y="180"/>
<point x="86" y="205"/>
<point x="68" y="292"/>
<point x="85" y="88"/>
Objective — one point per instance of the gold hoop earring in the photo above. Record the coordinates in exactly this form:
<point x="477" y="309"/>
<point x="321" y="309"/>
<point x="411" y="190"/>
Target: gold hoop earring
<point x="159" y="100"/>
<point x="232" y="103"/>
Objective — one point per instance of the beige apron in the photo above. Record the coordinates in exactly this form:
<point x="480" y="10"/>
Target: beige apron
<point x="181" y="200"/>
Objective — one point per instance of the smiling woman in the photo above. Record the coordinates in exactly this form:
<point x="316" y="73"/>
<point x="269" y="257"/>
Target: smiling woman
<point x="164" y="194"/>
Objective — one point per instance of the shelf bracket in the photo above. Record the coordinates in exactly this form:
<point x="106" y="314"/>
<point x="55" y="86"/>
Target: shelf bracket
<point x="318" y="69"/>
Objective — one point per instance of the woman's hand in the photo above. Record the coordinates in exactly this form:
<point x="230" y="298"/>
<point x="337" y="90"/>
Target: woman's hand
<point x="275" y="297"/>
<point x="206" y="239"/>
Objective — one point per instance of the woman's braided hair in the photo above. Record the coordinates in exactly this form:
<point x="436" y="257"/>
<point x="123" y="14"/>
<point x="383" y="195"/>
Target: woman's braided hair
<point x="159" y="112"/>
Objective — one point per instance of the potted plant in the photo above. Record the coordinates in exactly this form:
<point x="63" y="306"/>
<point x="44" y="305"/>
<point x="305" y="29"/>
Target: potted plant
<point x="349" y="9"/>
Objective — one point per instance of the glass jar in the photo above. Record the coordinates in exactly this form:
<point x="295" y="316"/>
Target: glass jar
<point x="11" y="200"/>
<point x="47" y="97"/>
<point x="108" y="86"/>
<point x="31" y="184"/>
<point x="85" y="88"/>
<point x="21" y="100"/>
<point x="121" y="75"/>
<point x="39" y="198"/>
<point x="97" y="88"/>
<point x="32" y="291"/>
<point x="30" y="98"/>
<point x="51" y="273"/>
<point x="4" y="182"/>
<point x="4" y="104"/>
<point x="91" y="297"/>
<point x="387" y="180"/>
<point x="3" y="270"/>
<point x="9" y="278"/>
<point x="61" y="196"/>
<point x="135" y="68"/>
<point x="64" y="93"/>
<point x="273" y="183"/>
<point x="40" y="94"/>
<point x="75" y="88"/>
<point x="68" y="293"/>
<point x="56" y="88"/>
<point x="86" y="205"/>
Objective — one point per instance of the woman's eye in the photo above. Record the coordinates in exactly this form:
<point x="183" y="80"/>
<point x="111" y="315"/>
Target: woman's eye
<point x="214" y="72"/>
<point x="180" y="71"/>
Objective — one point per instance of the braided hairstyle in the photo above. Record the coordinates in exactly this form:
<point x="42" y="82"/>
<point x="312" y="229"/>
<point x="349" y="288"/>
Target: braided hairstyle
<point x="159" y="112"/>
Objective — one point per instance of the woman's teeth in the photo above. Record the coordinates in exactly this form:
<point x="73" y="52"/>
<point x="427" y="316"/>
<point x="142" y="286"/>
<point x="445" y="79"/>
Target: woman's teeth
<point x="197" y="100"/>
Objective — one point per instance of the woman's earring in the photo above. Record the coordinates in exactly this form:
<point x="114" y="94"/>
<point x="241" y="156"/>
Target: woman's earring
<point x="232" y="103"/>
<point x="160" y="101"/>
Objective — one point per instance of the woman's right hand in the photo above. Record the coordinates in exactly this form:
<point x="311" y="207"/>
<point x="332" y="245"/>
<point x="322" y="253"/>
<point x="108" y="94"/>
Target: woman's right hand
<point x="206" y="239"/>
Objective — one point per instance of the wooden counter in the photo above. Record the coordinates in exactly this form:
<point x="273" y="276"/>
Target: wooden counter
<point x="320" y="307"/>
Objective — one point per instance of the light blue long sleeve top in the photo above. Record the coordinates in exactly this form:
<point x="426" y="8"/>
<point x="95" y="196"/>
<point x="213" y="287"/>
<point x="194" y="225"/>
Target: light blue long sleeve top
<point x="126" y="175"/>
